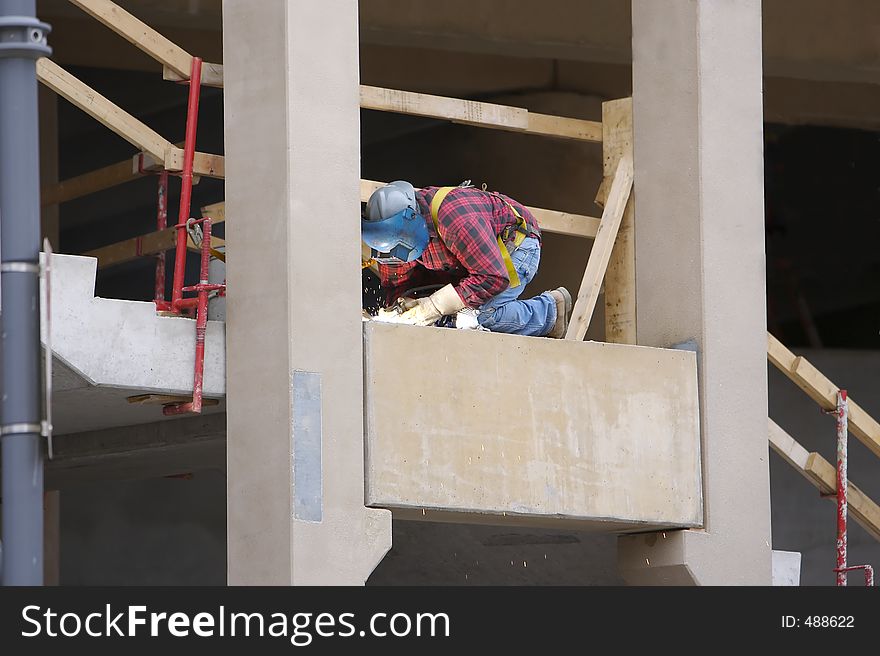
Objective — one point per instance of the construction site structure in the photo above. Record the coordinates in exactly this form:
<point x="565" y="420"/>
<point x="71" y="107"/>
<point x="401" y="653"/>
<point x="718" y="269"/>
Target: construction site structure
<point x="654" y="430"/>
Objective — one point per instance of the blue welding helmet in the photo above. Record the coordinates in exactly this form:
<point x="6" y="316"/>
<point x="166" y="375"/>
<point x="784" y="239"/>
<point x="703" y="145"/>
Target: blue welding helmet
<point x="392" y="226"/>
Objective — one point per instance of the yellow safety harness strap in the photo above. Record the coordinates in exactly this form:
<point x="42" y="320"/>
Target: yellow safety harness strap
<point x="522" y="230"/>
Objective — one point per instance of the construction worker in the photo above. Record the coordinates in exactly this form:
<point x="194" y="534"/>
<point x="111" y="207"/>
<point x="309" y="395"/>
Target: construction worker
<point x="481" y="246"/>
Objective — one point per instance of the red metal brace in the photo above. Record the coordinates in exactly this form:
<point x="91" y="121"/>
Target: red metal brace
<point x="842" y="414"/>
<point x="203" y="288"/>
<point x="178" y="303"/>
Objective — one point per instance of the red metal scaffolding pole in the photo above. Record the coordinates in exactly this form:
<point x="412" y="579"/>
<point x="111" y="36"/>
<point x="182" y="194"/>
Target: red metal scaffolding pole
<point x="184" y="224"/>
<point x="203" y="289"/>
<point x="178" y="303"/>
<point x="842" y="414"/>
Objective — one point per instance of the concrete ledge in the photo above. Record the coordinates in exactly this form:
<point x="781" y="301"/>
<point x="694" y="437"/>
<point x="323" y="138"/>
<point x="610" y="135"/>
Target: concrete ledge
<point x="106" y="350"/>
<point x="605" y="435"/>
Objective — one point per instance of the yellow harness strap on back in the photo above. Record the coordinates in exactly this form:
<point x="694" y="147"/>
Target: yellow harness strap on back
<point x="521" y="233"/>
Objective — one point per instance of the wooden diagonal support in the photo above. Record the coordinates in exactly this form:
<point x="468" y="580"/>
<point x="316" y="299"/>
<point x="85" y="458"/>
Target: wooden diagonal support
<point x="601" y="252"/>
<point x="823" y="391"/>
<point x="174" y="59"/>
<point x="101" y="109"/>
<point x="157" y="150"/>
<point x="823" y="475"/>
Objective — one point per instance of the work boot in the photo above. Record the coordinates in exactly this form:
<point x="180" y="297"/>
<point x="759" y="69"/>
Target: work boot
<point x="563" y="312"/>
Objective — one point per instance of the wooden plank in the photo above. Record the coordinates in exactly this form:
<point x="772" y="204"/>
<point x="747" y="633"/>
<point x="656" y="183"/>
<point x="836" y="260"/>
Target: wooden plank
<point x="212" y="75"/>
<point x="563" y="223"/>
<point x="146" y="245"/>
<point x="790" y="450"/>
<point x="823" y="476"/>
<point x="481" y="114"/>
<point x="211" y="166"/>
<point x="457" y="110"/>
<point x="98" y="180"/>
<point x="601" y="252"/>
<point x="216" y="211"/>
<point x="620" y="278"/>
<point x="861" y="506"/>
<point x="564" y="127"/>
<point x="468" y="112"/>
<point x="98" y="107"/>
<point x="87" y="183"/>
<point x="139" y="34"/>
<point x="824" y="392"/>
<point x="131" y="249"/>
<point x="602" y="193"/>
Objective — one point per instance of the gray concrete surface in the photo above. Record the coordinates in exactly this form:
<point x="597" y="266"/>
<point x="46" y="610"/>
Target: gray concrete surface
<point x="699" y="233"/>
<point x="295" y="371"/>
<point x="106" y="350"/>
<point x="173" y="531"/>
<point x="532" y="431"/>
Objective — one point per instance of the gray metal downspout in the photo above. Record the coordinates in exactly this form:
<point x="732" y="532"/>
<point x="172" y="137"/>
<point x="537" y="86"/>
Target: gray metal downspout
<point x="22" y="41"/>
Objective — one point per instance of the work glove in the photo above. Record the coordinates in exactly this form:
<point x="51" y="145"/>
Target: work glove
<point x="426" y="311"/>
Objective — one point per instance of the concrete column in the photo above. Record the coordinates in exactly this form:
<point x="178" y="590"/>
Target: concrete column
<point x="295" y="506"/>
<point x="700" y="269"/>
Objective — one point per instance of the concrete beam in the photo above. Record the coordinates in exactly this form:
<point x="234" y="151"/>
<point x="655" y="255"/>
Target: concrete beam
<point x="700" y="268"/>
<point x="531" y="431"/>
<point x="296" y="511"/>
<point x="161" y="448"/>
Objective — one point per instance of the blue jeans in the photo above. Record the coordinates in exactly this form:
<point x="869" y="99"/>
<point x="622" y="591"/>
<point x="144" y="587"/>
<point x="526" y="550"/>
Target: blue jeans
<point x="504" y="313"/>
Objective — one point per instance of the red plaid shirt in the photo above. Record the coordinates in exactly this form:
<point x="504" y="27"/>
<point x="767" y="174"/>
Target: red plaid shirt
<point x="468" y="255"/>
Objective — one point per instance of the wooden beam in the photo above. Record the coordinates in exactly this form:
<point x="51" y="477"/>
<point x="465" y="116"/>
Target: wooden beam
<point x="823" y="391"/>
<point x="146" y="245"/>
<point x="481" y="114"/>
<point x="564" y="127"/>
<point x="601" y="252"/>
<point x="211" y="166"/>
<point x="87" y="183"/>
<point x="204" y="164"/>
<point x="216" y="211"/>
<point x="132" y="249"/>
<point x="175" y="60"/>
<point x="862" y="507"/>
<point x="98" y="180"/>
<point x="823" y="476"/>
<point x="457" y="110"/>
<point x="790" y="450"/>
<point x="98" y="107"/>
<point x="620" y="278"/>
<point x="212" y="75"/>
<point x="563" y="223"/>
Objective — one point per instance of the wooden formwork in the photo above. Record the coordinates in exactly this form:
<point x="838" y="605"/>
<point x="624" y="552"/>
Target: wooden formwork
<point x="615" y="133"/>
